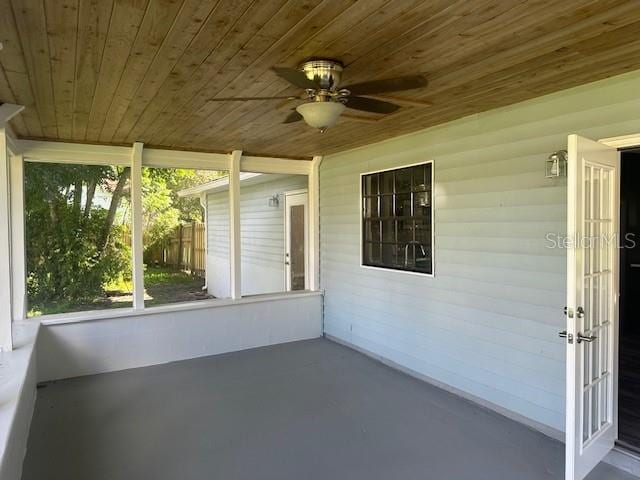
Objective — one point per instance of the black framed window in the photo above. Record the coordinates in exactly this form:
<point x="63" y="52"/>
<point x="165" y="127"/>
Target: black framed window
<point x="397" y="219"/>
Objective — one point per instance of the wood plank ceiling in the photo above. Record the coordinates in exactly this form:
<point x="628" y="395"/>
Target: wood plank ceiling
<point x="119" y="71"/>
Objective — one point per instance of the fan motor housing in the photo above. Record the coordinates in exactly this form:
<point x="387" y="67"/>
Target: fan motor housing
<point x="326" y="73"/>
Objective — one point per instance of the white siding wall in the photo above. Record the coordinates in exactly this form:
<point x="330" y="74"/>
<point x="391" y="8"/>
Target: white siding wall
<point x="218" y="267"/>
<point x="487" y="322"/>
<point x="261" y="232"/>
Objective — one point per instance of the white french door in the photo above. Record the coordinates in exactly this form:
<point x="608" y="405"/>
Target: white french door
<point x="592" y="293"/>
<point x="296" y="240"/>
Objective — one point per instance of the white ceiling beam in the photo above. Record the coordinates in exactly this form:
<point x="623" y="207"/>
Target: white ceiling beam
<point x="88" y="154"/>
<point x="274" y="165"/>
<point x="64" y="152"/>
<point x="161" y="158"/>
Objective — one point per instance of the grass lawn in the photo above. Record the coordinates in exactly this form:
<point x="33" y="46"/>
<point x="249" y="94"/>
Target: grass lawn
<point x="162" y="285"/>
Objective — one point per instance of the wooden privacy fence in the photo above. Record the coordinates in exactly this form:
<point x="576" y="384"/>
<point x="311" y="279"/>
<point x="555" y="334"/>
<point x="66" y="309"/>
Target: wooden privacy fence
<point x="183" y="249"/>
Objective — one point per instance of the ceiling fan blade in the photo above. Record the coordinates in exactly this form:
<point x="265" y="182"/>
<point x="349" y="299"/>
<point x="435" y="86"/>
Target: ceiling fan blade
<point x="371" y="105"/>
<point x="397" y="84"/>
<point x="246" y="99"/>
<point x="293" y="117"/>
<point x="295" y="77"/>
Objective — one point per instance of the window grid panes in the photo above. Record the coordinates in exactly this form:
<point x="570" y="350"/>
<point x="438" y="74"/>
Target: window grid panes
<point x="396" y="219"/>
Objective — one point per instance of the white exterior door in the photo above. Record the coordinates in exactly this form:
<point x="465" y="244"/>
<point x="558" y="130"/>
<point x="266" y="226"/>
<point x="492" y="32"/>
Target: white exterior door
<point x="296" y="240"/>
<point x="592" y="303"/>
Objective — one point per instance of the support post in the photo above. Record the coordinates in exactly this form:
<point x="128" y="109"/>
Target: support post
<point x="136" y="226"/>
<point x="6" y="316"/>
<point x="314" y="223"/>
<point x="234" y="224"/>
<point x="192" y="266"/>
<point x="180" y="247"/>
<point x="205" y="207"/>
<point x="18" y="250"/>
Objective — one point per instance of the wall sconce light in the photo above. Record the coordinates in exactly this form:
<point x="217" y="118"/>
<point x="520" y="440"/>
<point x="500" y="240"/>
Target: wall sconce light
<point x="556" y="165"/>
<point x="274" y="201"/>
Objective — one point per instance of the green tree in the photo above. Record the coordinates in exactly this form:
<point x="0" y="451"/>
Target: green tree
<point x="73" y="250"/>
<point x="163" y="209"/>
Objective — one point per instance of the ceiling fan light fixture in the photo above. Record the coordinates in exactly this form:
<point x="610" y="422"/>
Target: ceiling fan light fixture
<point x="321" y="115"/>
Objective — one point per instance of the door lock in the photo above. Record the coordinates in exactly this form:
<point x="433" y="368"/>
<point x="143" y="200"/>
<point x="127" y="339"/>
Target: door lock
<point x="568" y="336"/>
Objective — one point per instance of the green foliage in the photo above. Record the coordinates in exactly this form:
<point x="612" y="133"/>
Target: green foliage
<point x="77" y="227"/>
<point x="72" y="250"/>
<point x="159" y="276"/>
<point x="163" y="209"/>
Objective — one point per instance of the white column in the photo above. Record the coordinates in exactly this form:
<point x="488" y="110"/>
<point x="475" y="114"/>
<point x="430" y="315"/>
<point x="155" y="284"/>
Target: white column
<point x="234" y="224"/>
<point x="18" y="250"/>
<point x="314" y="223"/>
<point x="136" y="226"/>
<point x="205" y="208"/>
<point x="6" y="343"/>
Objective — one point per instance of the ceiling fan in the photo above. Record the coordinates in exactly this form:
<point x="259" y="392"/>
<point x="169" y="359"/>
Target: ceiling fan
<point x="324" y="99"/>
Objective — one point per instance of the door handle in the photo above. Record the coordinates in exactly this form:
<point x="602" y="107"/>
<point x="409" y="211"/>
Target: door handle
<point x="586" y="338"/>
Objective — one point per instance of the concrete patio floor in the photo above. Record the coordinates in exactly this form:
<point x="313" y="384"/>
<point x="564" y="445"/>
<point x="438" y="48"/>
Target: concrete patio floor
<point x="304" y="410"/>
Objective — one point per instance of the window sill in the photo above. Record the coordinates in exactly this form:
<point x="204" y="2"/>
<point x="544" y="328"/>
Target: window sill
<point x="394" y="270"/>
<point x="77" y="317"/>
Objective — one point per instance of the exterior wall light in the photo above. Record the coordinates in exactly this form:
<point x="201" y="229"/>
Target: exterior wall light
<point x="556" y="165"/>
<point x="274" y="201"/>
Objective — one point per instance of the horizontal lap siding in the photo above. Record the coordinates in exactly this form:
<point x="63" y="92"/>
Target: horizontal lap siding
<point x="218" y="267"/>
<point x="261" y="233"/>
<point x="487" y="322"/>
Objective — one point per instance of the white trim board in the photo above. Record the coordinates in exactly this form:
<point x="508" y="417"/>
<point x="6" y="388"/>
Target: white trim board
<point x="78" y="317"/>
<point x="624" y="141"/>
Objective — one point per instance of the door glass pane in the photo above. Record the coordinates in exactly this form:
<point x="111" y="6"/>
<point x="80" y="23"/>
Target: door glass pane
<point x="587" y="193"/>
<point x="595" y="405"/>
<point x="297" y="243"/>
<point x="586" y="401"/>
